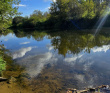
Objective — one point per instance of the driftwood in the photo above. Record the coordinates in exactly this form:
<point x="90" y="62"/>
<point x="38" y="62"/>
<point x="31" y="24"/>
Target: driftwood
<point x="2" y="79"/>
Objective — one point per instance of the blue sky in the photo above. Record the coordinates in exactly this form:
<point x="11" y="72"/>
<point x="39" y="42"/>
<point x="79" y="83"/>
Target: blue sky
<point x="28" y="6"/>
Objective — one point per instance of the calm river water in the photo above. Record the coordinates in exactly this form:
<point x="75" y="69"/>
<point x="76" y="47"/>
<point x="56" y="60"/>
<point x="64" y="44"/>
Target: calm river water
<point x="51" y="62"/>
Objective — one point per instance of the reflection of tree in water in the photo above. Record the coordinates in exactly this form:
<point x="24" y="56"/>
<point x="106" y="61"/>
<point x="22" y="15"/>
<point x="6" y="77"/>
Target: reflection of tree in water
<point x="37" y="35"/>
<point x="55" y="79"/>
<point x="6" y="32"/>
<point x="67" y="42"/>
<point x="74" y="43"/>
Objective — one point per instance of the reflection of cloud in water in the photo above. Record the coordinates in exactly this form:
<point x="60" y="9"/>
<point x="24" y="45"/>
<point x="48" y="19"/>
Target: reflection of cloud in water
<point x="50" y="47"/>
<point x="21" y="52"/>
<point x="24" y="43"/>
<point x="35" y="64"/>
<point x="87" y="68"/>
<point x="85" y="80"/>
<point x="79" y="77"/>
<point x="84" y="60"/>
<point x="72" y="59"/>
<point x="100" y="49"/>
<point x="87" y="65"/>
<point x="82" y="63"/>
<point x="5" y="39"/>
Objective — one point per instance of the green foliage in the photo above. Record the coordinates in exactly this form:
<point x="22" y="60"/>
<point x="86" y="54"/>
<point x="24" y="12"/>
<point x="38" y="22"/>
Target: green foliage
<point x="17" y="21"/>
<point x="88" y="10"/>
<point x="2" y="61"/>
<point x="7" y="11"/>
<point x="2" y="64"/>
<point x="30" y="22"/>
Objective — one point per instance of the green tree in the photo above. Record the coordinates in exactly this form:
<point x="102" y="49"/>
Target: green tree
<point x="88" y="9"/>
<point x="59" y="8"/>
<point x="7" y="11"/>
<point x="17" y="21"/>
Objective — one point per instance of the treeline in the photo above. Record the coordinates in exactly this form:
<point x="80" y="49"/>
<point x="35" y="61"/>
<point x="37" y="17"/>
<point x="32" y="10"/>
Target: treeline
<point x="35" y="20"/>
<point x="65" y="14"/>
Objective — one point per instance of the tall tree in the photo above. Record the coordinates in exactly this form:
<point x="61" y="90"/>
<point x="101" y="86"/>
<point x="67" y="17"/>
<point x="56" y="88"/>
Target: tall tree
<point x="60" y="8"/>
<point x="7" y="11"/>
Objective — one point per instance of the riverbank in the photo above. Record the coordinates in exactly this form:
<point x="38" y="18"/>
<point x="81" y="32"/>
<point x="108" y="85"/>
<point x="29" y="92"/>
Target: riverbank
<point x="99" y="89"/>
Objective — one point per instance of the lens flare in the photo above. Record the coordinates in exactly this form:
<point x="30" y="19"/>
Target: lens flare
<point x="102" y="20"/>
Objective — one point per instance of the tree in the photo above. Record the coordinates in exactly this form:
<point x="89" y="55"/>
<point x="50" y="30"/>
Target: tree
<point x="17" y="21"/>
<point x="88" y="9"/>
<point x="7" y="11"/>
<point x="60" y="8"/>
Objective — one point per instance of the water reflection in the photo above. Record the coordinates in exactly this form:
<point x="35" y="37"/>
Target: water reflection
<point x="24" y="43"/>
<point x="74" y="43"/>
<point x="53" y="61"/>
<point x="72" y="59"/>
<point x="35" y="64"/>
<point x="20" y="53"/>
<point x="104" y="48"/>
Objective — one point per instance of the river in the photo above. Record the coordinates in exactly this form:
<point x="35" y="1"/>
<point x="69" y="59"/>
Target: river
<point x="52" y="61"/>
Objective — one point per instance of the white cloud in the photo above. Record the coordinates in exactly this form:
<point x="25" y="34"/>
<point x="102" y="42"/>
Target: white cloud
<point x="54" y="0"/>
<point x="21" y="52"/>
<point x="71" y="59"/>
<point x="100" y="49"/>
<point x="47" y="8"/>
<point x="20" y="5"/>
<point x="24" y="43"/>
<point x="50" y="0"/>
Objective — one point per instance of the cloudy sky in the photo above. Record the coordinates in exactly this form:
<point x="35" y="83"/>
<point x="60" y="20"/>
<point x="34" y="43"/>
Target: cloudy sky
<point x="28" y="6"/>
